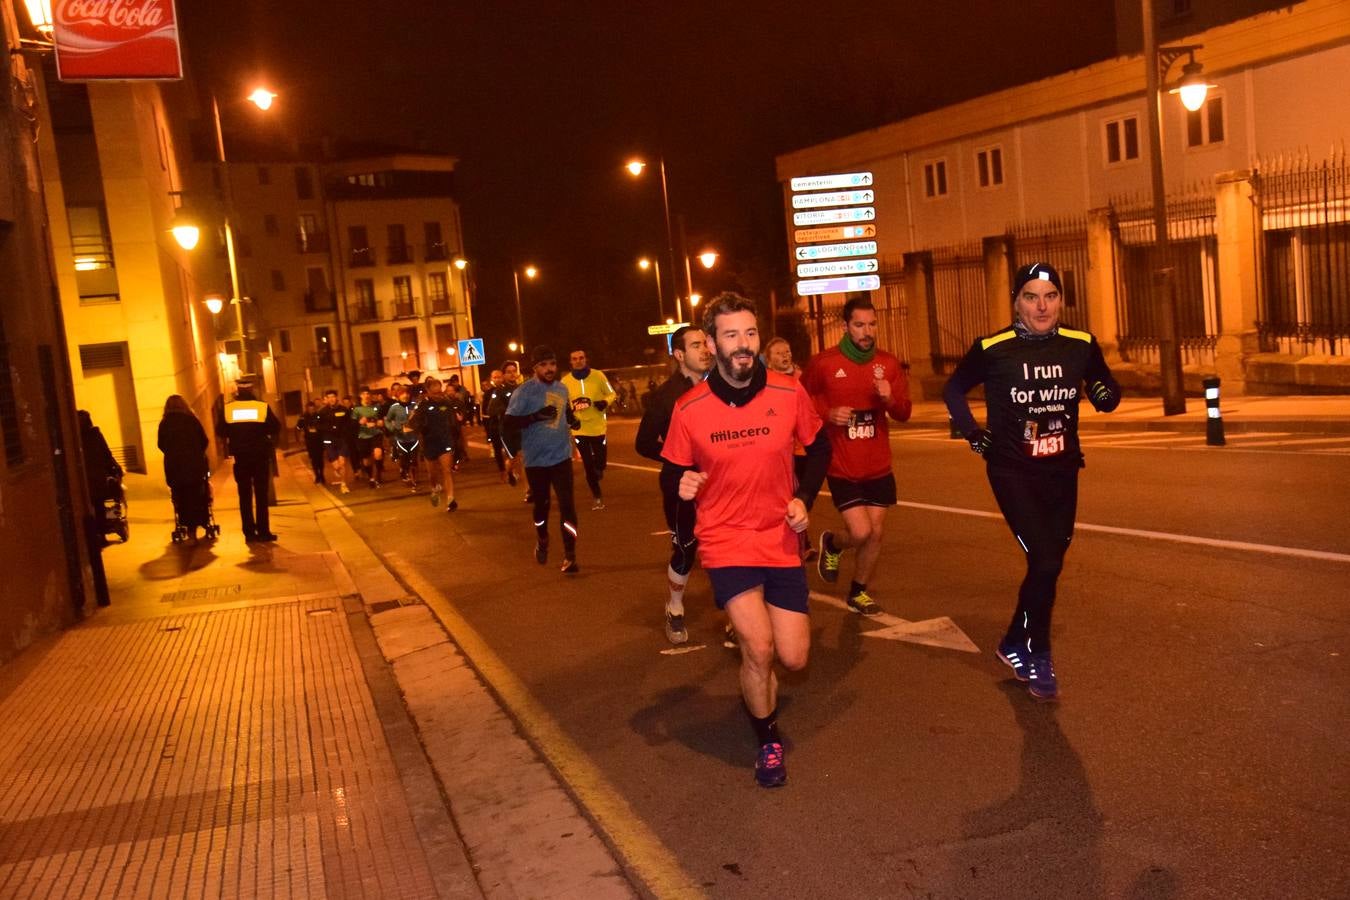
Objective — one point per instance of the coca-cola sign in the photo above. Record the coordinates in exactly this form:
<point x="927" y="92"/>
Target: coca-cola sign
<point x="116" y="40"/>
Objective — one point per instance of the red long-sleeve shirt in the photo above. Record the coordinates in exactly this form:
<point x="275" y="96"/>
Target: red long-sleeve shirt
<point x="861" y="449"/>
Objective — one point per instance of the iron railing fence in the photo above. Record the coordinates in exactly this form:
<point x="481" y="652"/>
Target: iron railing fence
<point x="960" y="303"/>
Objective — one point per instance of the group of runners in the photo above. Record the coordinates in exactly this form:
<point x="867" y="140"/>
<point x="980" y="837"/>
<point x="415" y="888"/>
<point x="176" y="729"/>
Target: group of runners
<point x="746" y="440"/>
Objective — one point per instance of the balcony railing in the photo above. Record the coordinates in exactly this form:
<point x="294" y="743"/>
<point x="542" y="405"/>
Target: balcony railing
<point x="319" y="301"/>
<point x="311" y="242"/>
<point x="360" y="257"/>
<point x="439" y="304"/>
<point x="405" y="307"/>
<point x="325" y="359"/>
<point x="375" y="367"/>
<point x="366" y="312"/>
<point x="437" y="251"/>
<point x="400" y="253"/>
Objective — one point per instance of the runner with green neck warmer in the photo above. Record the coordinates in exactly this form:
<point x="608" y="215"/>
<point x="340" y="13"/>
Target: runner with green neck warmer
<point x="855" y="386"/>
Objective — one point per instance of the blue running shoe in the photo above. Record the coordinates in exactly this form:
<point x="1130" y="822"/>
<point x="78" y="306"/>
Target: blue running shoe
<point x="769" y="768"/>
<point x="1041" y="677"/>
<point x="1016" y="659"/>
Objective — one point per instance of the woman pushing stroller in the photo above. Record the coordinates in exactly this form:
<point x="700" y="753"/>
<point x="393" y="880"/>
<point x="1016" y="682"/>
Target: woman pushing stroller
<point x="183" y="442"/>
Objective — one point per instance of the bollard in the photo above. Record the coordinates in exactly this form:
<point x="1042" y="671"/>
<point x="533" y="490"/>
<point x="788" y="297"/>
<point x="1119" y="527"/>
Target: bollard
<point x="1214" y="418"/>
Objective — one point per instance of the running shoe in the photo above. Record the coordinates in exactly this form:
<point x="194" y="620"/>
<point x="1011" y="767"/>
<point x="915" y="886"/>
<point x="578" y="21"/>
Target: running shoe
<point x="373" y="484"/>
<point x="769" y="768"/>
<point x="675" y="630"/>
<point x="828" y="563"/>
<point x="598" y="504"/>
<point x="1015" y="658"/>
<point x="570" y="567"/>
<point x="864" y="604"/>
<point x="729" y="637"/>
<point x="435" y="495"/>
<point x="541" y="553"/>
<point x="343" y="489"/>
<point x="1041" y="677"/>
<point x="452" y="505"/>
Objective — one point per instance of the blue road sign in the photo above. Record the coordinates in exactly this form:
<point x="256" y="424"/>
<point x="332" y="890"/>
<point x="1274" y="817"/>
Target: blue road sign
<point x="471" y="352"/>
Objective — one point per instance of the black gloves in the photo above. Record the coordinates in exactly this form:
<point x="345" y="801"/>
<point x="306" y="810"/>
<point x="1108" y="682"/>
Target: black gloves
<point x="980" y="440"/>
<point x="546" y="414"/>
<point x="601" y="404"/>
<point x="1103" y="398"/>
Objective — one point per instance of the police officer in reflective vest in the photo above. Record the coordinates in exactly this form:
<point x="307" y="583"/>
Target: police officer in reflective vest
<point x="250" y="434"/>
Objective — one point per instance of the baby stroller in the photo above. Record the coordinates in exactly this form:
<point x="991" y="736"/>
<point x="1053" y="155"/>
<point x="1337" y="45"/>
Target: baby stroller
<point x="115" y="509"/>
<point x="192" y="509"/>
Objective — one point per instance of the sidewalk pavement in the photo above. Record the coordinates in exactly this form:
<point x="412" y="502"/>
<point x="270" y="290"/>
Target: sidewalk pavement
<point x="1318" y="414"/>
<point x="279" y="720"/>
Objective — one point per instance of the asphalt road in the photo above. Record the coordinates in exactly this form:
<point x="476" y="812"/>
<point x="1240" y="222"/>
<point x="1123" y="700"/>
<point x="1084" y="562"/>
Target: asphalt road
<point x="1198" y="749"/>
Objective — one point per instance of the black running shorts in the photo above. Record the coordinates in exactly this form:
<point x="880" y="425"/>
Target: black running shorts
<point x="784" y="588"/>
<point x="874" y="492"/>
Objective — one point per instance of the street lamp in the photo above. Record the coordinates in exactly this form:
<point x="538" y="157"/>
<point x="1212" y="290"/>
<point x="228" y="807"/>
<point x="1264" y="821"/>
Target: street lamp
<point x="214" y="303"/>
<point x="635" y="168"/>
<point x="708" y="258"/>
<point x="694" y="300"/>
<point x="530" y="273"/>
<point x="513" y="347"/>
<point x="644" y="264"/>
<point x="1157" y="61"/>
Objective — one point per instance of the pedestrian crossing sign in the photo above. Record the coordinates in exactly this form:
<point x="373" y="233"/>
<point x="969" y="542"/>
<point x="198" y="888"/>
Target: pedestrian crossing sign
<point x="471" y="352"/>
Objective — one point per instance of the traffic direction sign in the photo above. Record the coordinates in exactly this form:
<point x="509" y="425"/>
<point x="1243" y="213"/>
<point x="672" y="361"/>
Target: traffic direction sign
<point x="471" y="352"/>
<point x="840" y="233"/>
<point x="834" y="198"/>
<point x="838" y="285"/>
<point x="666" y="327"/>
<point x="821" y="216"/>
<point x="834" y="251"/>
<point x="829" y="182"/>
<point x="838" y="267"/>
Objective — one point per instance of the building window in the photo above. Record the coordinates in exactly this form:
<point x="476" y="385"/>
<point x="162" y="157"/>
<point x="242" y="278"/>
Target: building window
<point x="935" y="178"/>
<point x="366" y="180"/>
<point x="278" y="280"/>
<point x="1205" y="125"/>
<point x="437" y="292"/>
<point x="271" y="225"/>
<point x="1122" y="140"/>
<point x="358" y="243"/>
<point x="445" y="345"/>
<point x="285" y="336"/>
<point x="366" y="308"/>
<point x="436" y="248"/>
<point x="399" y="251"/>
<point x="264" y="175"/>
<point x="304" y="183"/>
<point x="403" y="297"/>
<point x="323" y="346"/>
<point x="309" y="234"/>
<point x="989" y="162"/>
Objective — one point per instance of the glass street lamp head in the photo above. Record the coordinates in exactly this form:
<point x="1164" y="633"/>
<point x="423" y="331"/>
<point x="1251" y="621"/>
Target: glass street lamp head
<point x="214" y="303"/>
<point x="513" y="346"/>
<point x="460" y="263"/>
<point x="186" y="233"/>
<point x="694" y="300"/>
<point x="531" y="271"/>
<point x="644" y="264"/>
<point x="1193" y="87"/>
<point x="708" y="258"/>
<point x="635" y="167"/>
<point x="262" y="98"/>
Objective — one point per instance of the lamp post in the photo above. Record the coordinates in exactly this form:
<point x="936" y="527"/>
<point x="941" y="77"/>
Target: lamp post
<point x="635" y="168"/>
<point x="644" y="264"/>
<point x="1158" y="60"/>
<point x="530" y="273"/>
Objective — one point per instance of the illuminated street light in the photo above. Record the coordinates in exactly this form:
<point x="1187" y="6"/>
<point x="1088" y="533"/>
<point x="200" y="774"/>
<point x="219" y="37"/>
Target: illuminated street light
<point x="214" y="303"/>
<point x="460" y="263"/>
<point x="708" y="258"/>
<point x="1157" y="61"/>
<point x="644" y="264"/>
<point x="262" y="98"/>
<point x="513" y="347"/>
<point x="694" y="301"/>
<point x="530" y="273"/>
<point x="40" y="14"/>
<point x="185" y="231"/>
<point x="635" y="168"/>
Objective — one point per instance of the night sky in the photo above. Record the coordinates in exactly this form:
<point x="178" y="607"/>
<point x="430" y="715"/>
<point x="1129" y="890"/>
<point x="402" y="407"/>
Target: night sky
<point x="543" y="102"/>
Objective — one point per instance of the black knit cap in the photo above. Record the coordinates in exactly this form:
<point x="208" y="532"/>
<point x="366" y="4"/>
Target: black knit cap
<point x="543" y="353"/>
<point x="1030" y="273"/>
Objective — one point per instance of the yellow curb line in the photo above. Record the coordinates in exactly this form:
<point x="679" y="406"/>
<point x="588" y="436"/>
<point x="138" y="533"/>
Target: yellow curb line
<point x="646" y="856"/>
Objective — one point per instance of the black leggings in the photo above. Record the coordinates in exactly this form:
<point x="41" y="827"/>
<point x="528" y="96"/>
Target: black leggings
<point x="559" y="478"/>
<point x="1039" y="507"/>
<point x="593" y="453"/>
<point x="680" y="520"/>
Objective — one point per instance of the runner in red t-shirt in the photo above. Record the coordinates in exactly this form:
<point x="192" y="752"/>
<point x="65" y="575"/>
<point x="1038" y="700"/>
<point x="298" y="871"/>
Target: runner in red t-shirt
<point x="732" y="438"/>
<point x="855" y="386"/>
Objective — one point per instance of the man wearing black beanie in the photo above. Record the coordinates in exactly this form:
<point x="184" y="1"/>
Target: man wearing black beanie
<point x="1034" y="372"/>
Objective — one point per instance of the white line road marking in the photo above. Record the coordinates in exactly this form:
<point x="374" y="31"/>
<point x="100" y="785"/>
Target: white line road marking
<point x="1239" y="441"/>
<point x="940" y="632"/>
<point x="1158" y="535"/>
<point x="1130" y="532"/>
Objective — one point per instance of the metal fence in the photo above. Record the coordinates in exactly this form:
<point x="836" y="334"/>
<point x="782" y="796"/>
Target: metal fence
<point x="960" y="312"/>
<point x="826" y="327"/>
<point x="1304" y="247"/>
<point x="1063" y="243"/>
<point x="1193" y="257"/>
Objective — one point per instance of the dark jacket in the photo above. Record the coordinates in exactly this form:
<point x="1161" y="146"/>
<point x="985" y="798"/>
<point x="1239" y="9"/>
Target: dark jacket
<point x="183" y="442"/>
<point x="651" y="432"/>
<point x="250" y="428"/>
<point x="99" y="464"/>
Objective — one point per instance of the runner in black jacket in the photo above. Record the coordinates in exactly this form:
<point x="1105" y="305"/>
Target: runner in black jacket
<point x="1033" y="374"/>
<point x="689" y="346"/>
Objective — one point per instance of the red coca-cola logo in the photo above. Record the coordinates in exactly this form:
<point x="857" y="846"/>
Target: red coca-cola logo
<point x="123" y="15"/>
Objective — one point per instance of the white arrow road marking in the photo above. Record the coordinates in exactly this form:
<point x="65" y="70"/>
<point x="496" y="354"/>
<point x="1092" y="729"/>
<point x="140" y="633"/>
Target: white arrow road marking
<point x="940" y="632"/>
<point x="676" y="651"/>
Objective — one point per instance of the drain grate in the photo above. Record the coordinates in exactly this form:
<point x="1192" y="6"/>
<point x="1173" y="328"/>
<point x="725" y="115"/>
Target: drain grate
<point x="204" y="595"/>
<point x="384" y="606"/>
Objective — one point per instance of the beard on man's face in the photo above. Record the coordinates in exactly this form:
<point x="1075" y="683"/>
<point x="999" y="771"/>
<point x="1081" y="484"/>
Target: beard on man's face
<point x="739" y="363"/>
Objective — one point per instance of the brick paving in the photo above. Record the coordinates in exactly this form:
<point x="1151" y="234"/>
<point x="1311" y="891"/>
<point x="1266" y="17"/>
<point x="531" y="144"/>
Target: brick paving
<point x="219" y="753"/>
